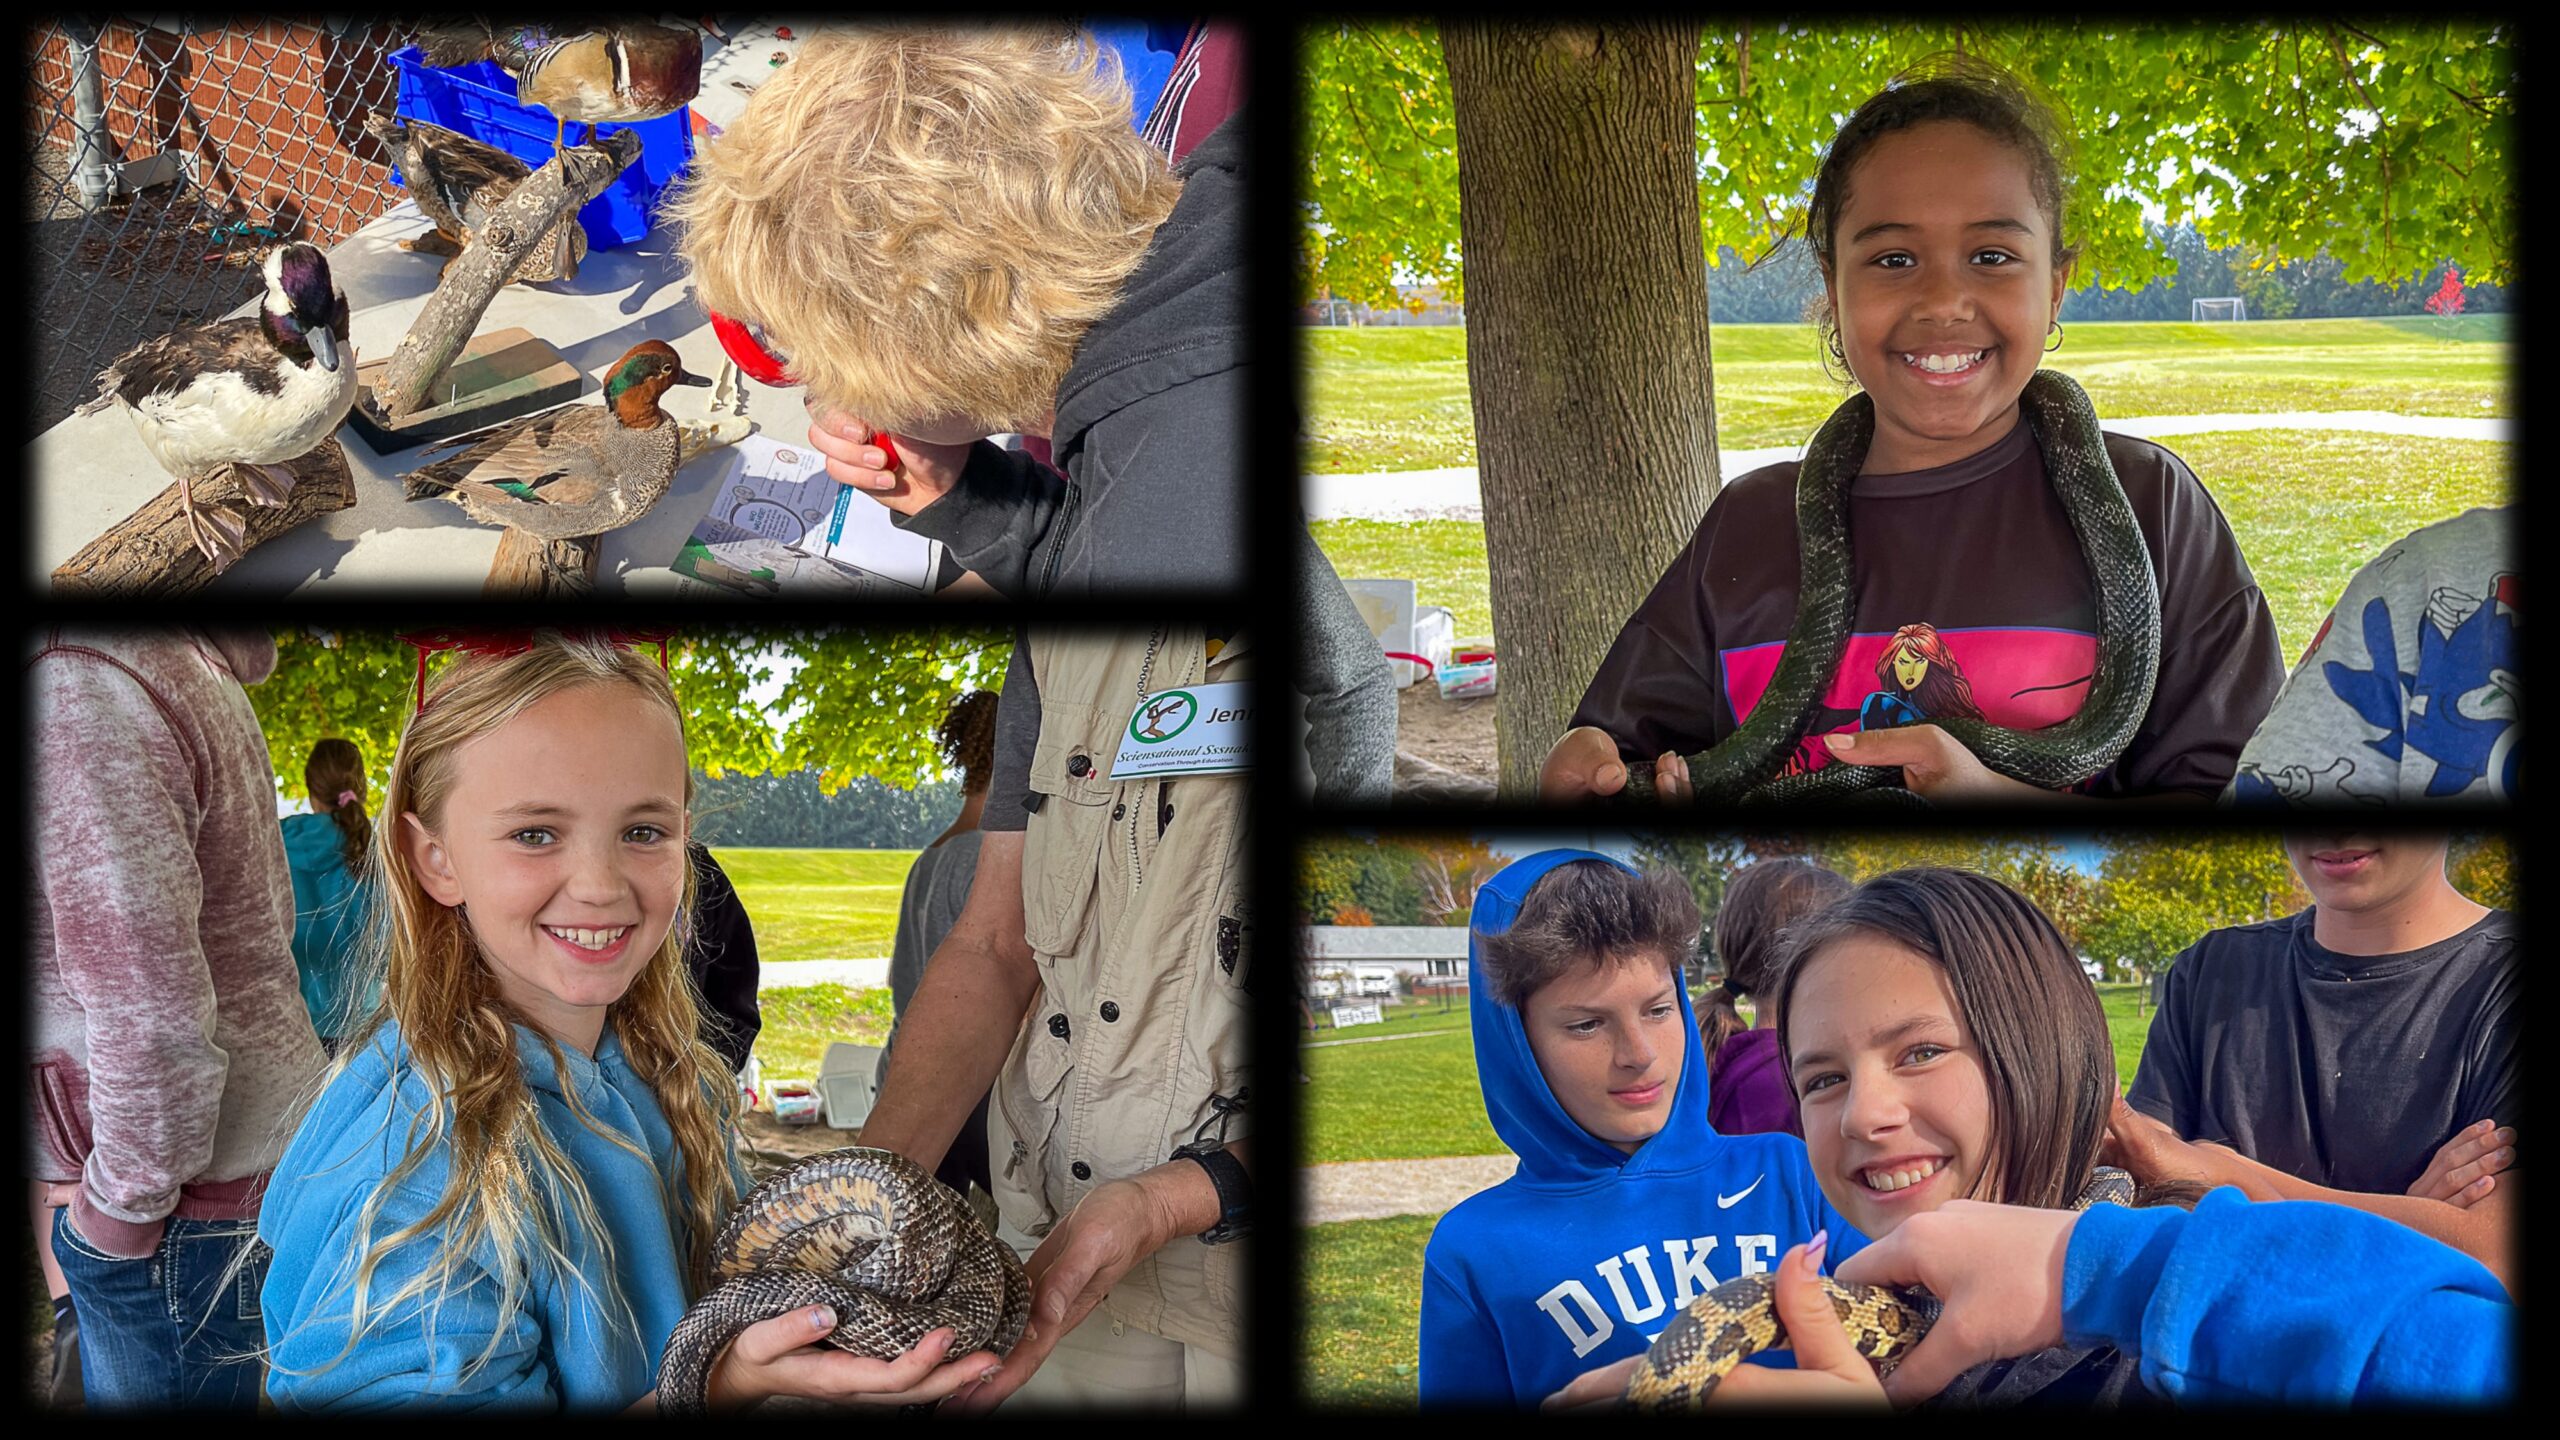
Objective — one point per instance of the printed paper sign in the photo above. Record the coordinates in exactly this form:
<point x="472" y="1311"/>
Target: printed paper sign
<point x="1197" y="730"/>
<point x="1364" y="1012"/>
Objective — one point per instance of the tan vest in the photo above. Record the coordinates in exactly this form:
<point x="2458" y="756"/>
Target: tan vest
<point x="1136" y="903"/>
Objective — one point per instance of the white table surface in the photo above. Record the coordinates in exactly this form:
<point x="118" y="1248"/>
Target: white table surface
<point x="92" y="471"/>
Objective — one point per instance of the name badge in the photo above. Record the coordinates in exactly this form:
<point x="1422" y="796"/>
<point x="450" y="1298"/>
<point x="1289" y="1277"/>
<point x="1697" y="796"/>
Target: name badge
<point x="1198" y="730"/>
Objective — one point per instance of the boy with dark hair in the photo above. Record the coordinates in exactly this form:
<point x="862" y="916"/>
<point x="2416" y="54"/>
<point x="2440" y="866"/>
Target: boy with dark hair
<point x="1626" y="1205"/>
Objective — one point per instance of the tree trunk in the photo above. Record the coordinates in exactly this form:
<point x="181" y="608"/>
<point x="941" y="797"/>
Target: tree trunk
<point x="1587" y="355"/>
<point x="468" y="284"/>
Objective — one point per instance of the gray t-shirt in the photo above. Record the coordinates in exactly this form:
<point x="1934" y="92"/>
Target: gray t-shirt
<point x="2348" y="1071"/>
<point x="937" y="889"/>
<point x="2413" y="690"/>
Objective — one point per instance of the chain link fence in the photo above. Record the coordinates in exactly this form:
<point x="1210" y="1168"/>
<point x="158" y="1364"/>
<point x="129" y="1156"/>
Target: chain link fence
<point x="167" y="156"/>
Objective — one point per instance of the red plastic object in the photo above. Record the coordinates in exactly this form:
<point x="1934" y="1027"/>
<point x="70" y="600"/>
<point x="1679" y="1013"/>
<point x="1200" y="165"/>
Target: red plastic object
<point x="781" y="32"/>
<point x="760" y="363"/>
<point x="1427" y="666"/>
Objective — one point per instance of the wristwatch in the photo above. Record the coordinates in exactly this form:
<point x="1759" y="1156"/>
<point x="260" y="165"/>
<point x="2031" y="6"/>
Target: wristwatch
<point x="1235" y="1190"/>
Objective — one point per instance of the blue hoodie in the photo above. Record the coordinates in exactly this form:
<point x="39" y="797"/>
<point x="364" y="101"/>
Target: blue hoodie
<point x="330" y="909"/>
<point x="1586" y="1253"/>
<point x="563" y="1349"/>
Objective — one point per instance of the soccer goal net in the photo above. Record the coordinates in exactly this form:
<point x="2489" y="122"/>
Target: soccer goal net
<point x="2226" y="308"/>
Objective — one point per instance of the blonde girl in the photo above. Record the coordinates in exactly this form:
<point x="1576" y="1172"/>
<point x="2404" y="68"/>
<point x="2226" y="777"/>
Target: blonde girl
<point x="505" y="1192"/>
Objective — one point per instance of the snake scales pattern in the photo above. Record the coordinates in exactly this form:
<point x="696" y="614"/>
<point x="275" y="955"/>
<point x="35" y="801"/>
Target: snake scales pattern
<point x="867" y="1233"/>
<point x="1737" y="769"/>
<point x="1739" y="1318"/>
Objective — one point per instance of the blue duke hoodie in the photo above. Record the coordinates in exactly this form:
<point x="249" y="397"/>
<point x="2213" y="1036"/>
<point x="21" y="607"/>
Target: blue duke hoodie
<point x="1586" y="1253"/>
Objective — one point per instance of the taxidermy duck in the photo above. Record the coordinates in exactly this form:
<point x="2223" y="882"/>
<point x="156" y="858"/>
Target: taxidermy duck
<point x="459" y="183"/>
<point x="255" y="392"/>
<point x="576" y="471"/>
<point x="593" y="74"/>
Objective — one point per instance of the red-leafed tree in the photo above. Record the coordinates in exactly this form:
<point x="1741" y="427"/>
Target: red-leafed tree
<point x="2448" y="297"/>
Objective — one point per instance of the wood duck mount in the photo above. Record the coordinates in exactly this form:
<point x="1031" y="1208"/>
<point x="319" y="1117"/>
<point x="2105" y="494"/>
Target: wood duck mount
<point x="441" y="381"/>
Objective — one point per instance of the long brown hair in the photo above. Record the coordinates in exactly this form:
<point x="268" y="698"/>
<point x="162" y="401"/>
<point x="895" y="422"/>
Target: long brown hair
<point x="509" y="1183"/>
<point x="2019" y="990"/>
<point x="1760" y="901"/>
<point x="336" y="768"/>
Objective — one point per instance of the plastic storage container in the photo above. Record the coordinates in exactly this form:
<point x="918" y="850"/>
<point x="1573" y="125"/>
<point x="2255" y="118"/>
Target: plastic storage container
<point x="795" y="1102"/>
<point x="479" y="100"/>
<point x="846" y="1086"/>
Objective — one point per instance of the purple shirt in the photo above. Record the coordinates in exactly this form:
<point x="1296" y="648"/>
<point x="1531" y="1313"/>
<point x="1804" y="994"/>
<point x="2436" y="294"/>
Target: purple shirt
<point x="1749" y="1094"/>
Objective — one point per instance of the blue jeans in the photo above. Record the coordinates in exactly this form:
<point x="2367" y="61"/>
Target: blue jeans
<point x="176" y="1328"/>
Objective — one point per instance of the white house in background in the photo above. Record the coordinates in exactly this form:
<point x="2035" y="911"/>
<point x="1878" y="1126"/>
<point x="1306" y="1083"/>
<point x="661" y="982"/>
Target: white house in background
<point x="1380" y="959"/>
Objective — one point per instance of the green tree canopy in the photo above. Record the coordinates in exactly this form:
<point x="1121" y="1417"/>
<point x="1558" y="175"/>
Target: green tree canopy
<point x="2385" y="145"/>
<point x="863" y="702"/>
<point x="2163" y="893"/>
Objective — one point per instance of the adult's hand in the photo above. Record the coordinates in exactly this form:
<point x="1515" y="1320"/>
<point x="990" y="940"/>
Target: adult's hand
<point x="1584" y="765"/>
<point x="927" y="469"/>
<point x="1935" y="765"/>
<point x="2465" y="1170"/>
<point x="1997" y="1268"/>
<point x="1114" y="1227"/>
<point x="781" y="1356"/>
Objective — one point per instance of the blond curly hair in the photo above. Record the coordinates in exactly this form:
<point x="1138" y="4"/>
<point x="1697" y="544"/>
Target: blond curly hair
<point x="508" y="1182"/>
<point x="928" y="220"/>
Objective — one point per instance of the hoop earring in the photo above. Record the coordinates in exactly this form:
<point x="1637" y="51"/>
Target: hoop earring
<point x="1831" y="345"/>
<point x="2056" y="343"/>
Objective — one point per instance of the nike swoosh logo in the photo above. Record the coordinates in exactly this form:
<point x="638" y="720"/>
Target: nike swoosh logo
<point x="1726" y="1202"/>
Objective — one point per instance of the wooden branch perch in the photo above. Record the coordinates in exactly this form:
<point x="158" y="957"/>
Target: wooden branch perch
<point x="564" y="183"/>
<point x="530" y="568"/>
<point x="150" y="552"/>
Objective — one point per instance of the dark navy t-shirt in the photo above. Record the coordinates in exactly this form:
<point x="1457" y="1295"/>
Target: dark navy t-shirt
<point x="2348" y="1071"/>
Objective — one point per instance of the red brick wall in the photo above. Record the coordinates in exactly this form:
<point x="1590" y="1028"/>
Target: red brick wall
<point x="273" y="110"/>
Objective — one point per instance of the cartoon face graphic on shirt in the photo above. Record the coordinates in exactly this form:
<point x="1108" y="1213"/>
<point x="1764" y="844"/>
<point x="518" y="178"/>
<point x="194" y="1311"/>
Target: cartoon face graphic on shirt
<point x="1918" y="680"/>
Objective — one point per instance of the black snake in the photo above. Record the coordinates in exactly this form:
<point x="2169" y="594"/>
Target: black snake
<point x="867" y="1233"/>
<point x="1739" y="1318"/>
<point x="1737" y="769"/>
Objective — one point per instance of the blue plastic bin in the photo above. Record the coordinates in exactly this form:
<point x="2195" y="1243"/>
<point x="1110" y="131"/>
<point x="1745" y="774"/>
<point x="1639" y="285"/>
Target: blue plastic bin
<point x="1143" y="63"/>
<point x="479" y="100"/>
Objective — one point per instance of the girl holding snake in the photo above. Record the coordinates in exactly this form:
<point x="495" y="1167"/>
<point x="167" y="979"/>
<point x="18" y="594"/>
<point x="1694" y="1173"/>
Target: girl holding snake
<point x="1946" y="1050"/>
<point x="1937" y="222"/>
<point x="506" y="1189"/>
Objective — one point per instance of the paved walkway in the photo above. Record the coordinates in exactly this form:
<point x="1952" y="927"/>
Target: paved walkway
<point x="1374" y="1039"/>
<point x="783" y="974"/>
<point x="1376" y="1189"/>
<point x="1450" y="494"/>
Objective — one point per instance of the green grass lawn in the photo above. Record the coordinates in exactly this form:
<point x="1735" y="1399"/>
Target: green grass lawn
<point x="2309" y="507"/>
<point x="799" y="1022"/>
<point x="1414" y="1099"/>
<point x="819" y="904"/>
<point x="1362" y="1279"/>
<point x="1362" y="1282"/>
<point x="1397" y="399"/>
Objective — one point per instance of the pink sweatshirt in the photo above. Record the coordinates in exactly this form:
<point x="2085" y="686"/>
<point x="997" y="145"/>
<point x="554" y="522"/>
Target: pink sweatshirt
<point x="171" y="1040"/>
